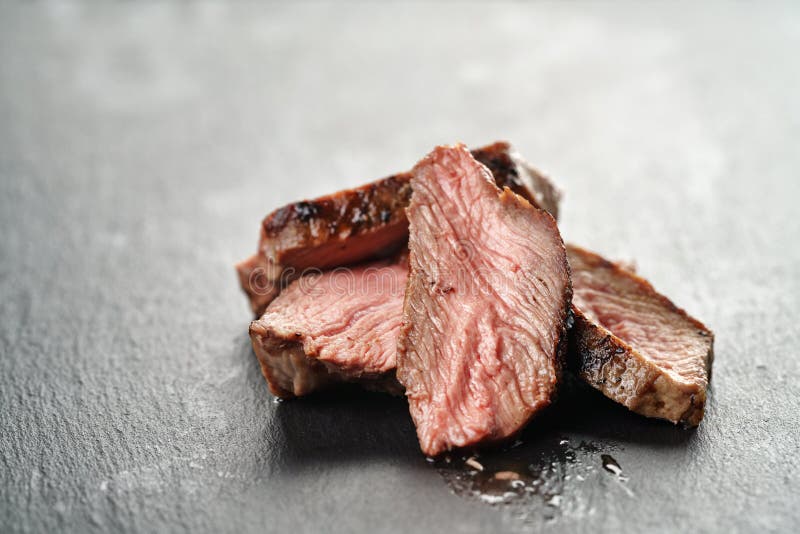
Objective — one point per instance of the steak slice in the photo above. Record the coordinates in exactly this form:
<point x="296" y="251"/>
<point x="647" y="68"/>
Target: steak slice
<point x="634" y="344"/>
<point x="362" y="223"/>
<point x="341" y="325"/>
<point x="488" y="294"/>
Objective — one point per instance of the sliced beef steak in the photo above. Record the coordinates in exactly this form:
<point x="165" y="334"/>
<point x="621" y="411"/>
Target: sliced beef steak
<point x="336" y="326"/>
<point x="634" y="345"/>
<point x="361" y="223"/>
<point x="485" y="307"/>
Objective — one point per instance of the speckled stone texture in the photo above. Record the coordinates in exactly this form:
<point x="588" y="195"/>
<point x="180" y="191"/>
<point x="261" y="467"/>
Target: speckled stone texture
<point x="141" y="144"/>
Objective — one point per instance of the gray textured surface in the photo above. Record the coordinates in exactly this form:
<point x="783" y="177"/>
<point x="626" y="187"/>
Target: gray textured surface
<point x="141" y="145"/>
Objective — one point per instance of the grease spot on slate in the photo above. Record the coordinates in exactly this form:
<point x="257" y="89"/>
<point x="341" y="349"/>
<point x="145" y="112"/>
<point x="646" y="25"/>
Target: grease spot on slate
<point x="542" y="477"/>
<point x="610" y="464"/>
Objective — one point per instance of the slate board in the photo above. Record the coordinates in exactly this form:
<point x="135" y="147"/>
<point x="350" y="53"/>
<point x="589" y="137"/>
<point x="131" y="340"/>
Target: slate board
<point x="141" y="144"/>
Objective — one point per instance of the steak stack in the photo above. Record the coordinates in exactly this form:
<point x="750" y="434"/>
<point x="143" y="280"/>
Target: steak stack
<point x="322" y="330"/>
<point x="451" y="283"/>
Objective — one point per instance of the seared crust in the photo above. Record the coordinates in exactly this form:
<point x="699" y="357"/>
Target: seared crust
<point x="625" y="375"/>
<point x="511" y="170"/>
<point x="310" y="224"/>
<point x="362" y="223"/>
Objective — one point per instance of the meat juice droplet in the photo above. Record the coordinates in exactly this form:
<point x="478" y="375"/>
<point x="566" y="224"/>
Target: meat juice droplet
<point x="610" y="464"/>
<point x="546" y="472"/>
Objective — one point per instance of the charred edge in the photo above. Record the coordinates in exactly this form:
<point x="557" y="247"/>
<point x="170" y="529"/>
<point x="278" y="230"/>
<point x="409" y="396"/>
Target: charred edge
<point x="366" y="206"/>
<point x="306" y="211"/>
<point x="506" y="171"/>
<point x="694" y="414"/>
<point x="502" y="167"/>
<point x="567" y="320"/>
<point x="380" y="202"/>
<point x="591" y="349"/>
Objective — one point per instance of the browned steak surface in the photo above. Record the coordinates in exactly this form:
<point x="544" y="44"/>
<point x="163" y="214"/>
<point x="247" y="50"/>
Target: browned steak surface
<point x="634" y="344"/>
<point x="361" y="223"/>
<point x="484" y="316"/>
<point x="341" y="325"/>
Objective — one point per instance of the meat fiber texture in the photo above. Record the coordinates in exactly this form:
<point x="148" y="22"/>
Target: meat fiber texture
<point x="337" y="326"/>
<point x="358" y="224"/>
<point x="634" y="344"/>
<point x="485" y="308"/>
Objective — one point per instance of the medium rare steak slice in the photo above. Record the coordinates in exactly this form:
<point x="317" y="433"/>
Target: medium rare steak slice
<point x="484" y="315"/>
<point x="341" y="325"/>
<point x="634" y="345"/>
<point x="361" y="223"/>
